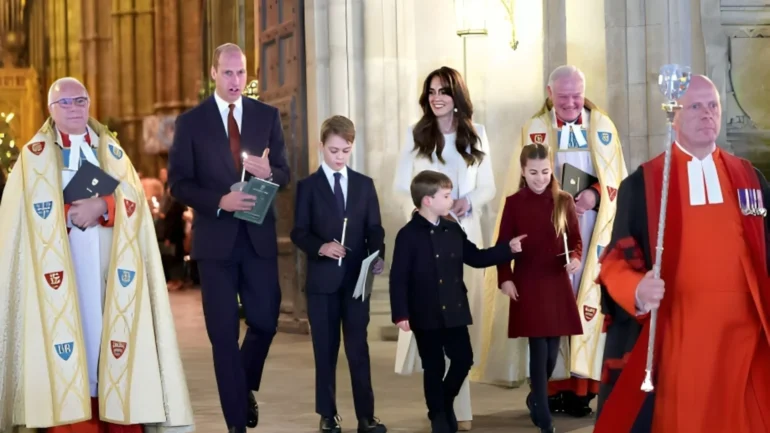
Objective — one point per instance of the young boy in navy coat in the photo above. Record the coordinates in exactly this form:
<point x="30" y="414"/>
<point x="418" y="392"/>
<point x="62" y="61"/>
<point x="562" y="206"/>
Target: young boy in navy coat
<point x="324" y="199"/>
<point x="428" y="296"/>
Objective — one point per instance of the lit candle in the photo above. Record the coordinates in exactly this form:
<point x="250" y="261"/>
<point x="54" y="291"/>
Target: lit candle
<point x="243" y="163"/>
<point x="566" y="250"/>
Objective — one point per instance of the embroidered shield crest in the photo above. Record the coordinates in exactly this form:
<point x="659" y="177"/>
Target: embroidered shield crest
<point x="126" y="277"/>
<point x="37" y="148"/>
<point x="589" y="312"/>
<point x="43" y="209"/>
<point x="64" y="350"/>
<point x="130" y="207"/>
<point x="612" y="192"/>
<point x="605" y="137"/>
<point x="115" y="151"/>
<point x="118" y="348"/>
<point x="538" y="138"/>
<point x="54" y="279"/>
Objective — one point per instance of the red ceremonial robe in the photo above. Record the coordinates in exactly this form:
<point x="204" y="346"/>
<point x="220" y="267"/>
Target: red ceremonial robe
<point x="627" y="408"/>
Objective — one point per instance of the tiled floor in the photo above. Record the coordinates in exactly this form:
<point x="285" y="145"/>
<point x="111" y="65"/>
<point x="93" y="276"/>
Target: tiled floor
<point x="287" y="398"/>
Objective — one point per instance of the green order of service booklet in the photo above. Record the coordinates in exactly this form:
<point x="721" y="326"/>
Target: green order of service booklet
<point x="265" y="192"/>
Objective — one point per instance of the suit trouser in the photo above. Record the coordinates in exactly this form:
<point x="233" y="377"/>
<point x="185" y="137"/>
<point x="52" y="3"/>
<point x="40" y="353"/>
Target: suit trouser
<point x="255" y="281"/>
<point x="327" y="313"/>
<point x="442" y="385"/>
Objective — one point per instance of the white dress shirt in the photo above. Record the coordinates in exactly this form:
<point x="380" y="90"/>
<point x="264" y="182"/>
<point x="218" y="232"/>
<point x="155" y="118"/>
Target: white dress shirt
<point x="329" y="173"/>
<point x="224" y="111"/>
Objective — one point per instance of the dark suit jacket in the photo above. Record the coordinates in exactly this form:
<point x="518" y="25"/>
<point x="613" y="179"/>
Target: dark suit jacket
<point x="426" y="277"/>
<point x="201" y="170"/>
<point x="317" y="220"/>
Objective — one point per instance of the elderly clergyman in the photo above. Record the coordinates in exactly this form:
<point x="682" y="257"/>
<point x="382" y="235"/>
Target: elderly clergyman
<point x="583" y="136"/>
<point x="87" y="339"/>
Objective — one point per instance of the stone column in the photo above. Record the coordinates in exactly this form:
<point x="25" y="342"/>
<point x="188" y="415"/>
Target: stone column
<point x="554" y="36"/>
<point x="191" y="57"/>
<point x="98" y="71"/>
<point x="134" y="61"/>
<point x="177" y="55"/>
<point x="317" y="57"/>
<point x="335" y="68"/>
<point x="392" y="89"/>
<point x="716" y="47"/>
<point x="642" y="36"/>
<point x="167" y="53"/>
<point x="626" y="76"/>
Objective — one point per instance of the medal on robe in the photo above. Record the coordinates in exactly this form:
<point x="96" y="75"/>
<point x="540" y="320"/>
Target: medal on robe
<point x="751" y="202"/>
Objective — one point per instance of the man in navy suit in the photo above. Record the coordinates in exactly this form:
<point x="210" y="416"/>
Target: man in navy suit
<point x="324" y="200"/>
<point x="235" y="258"/>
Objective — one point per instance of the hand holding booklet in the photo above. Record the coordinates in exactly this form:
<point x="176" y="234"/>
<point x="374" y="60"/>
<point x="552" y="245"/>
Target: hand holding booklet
<point x="265" y="192"/>
<point x="88" y="182"/>
<point x="366" y="278"/>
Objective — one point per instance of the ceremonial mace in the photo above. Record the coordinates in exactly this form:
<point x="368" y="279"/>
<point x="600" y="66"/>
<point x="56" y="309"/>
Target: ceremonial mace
<point x="673" y="82"/>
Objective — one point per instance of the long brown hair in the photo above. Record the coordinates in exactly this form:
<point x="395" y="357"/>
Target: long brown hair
<point x="426" y="133"/>
<point x="560" y="199"/>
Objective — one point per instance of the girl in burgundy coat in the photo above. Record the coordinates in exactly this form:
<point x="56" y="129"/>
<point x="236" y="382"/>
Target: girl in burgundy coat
<point x="543" y="306"/>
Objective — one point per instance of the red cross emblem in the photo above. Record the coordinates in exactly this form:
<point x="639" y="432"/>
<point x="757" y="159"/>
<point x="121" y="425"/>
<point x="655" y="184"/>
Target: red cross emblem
<point x="130" y="207"/>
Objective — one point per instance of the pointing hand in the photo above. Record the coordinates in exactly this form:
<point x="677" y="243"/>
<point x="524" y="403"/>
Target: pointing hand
<point x="515" y="243"/>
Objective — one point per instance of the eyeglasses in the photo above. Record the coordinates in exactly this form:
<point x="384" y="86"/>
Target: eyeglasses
<point x="80" y="101"/>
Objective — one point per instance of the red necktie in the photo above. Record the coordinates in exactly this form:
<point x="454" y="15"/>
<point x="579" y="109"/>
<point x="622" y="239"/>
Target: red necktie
<point x="560" y="123"/>
<point x="235" y="137"/>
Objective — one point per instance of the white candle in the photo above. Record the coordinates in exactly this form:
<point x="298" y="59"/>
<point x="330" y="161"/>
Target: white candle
<point x="243" y="163"/>
<point x="344" y="229"/>
<point x="566" y="249"/>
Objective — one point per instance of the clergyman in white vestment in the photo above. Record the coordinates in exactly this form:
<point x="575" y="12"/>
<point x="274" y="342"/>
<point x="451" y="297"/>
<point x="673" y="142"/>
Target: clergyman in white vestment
<point x="83" y="301"/>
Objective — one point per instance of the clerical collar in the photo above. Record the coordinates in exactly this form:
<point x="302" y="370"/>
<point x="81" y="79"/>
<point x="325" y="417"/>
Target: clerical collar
<point x="703" y="179"/>
<point x="66" y="139"/>
<point x="560" y="123"/>
<point x="571" y="129"/>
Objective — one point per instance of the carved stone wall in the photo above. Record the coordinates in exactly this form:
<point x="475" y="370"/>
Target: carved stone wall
<point x="738" y="49"/>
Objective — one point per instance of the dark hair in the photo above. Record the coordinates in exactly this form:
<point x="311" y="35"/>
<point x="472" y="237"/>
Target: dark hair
<point x="340" y="126"/>
<point x="426" y="133"/>
<point x="536" y="151"/>
<point x="426" y="184"/>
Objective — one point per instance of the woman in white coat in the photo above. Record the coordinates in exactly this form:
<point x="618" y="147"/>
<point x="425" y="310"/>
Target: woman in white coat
<point x="446" y="140"/>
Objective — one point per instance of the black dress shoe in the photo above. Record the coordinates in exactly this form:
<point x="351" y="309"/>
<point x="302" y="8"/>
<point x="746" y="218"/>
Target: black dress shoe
<point x="372" y="425"/>
<point x="252" y="416"/>
<point x="237" y="430"/>
<point x="451" y="417"/>
<point x="531" y="407"/>
<point x="556" y="403"/>
<point x="576" y="406"/>
<point x="330" y="425"/>
<point x="439" y="424"/>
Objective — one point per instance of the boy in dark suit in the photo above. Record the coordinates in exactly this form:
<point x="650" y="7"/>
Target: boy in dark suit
<point x="324" y="200"/>
<point x="428" y="296"/>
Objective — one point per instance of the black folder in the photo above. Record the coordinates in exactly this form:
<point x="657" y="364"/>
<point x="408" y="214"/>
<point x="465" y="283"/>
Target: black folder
<point x="89" y="181"/>
<point x="574" y="180"/>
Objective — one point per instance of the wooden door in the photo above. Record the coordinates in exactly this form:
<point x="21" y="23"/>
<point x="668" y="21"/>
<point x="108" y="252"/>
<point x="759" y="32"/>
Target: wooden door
<point x="282" y="85"/>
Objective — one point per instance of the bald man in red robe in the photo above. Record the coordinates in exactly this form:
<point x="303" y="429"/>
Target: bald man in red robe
<point x="712" y="352"/>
